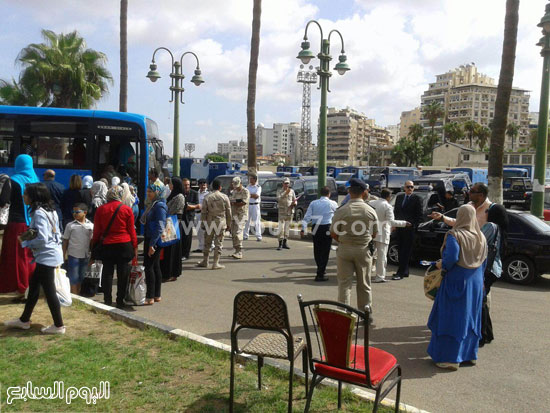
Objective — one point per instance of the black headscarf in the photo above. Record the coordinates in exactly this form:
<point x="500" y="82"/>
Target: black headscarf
<point x="177" y="188"/>
<point x="498" y="215"/>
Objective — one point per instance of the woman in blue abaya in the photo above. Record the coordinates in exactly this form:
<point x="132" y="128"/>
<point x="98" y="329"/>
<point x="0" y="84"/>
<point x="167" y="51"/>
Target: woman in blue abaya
<point x="455" y="320"/>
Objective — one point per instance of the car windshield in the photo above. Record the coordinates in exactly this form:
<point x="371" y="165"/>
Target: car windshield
<point x="269" y="188"/>
<point x="344" y="177"/>
<point x="538" y="224"/>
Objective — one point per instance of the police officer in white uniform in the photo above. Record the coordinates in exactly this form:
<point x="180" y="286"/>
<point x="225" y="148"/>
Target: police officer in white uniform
<point x="253" y="220"/>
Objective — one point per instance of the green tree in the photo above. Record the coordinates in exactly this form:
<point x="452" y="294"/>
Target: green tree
<point x="123" y="97"/>
<point x="471" y="127"/>
<point x="453" y="132"/>
<point x="13" y="94"/>
<point x="252" y="74"/>
<point x="215" y="157"/>
<point x="502" y="103"/>
<point x="62" y="72"/>
<point x="415" y="135"/>
<point x="433" y="112"/>
<point x="483" y="135"/>
<point x="512" y="130"/>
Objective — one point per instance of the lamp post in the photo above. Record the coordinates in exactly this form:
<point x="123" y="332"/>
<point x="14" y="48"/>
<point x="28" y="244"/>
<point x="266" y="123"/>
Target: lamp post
<point x="537" y="203"/>
<point x="176" y="95"/>
<point x="324" y="73"/>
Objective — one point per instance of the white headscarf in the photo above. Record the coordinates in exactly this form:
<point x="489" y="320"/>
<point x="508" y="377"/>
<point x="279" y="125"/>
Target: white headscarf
<point x="115" y="180"/>
<point x="127" y="197"/>
<point x="99" y="193"/>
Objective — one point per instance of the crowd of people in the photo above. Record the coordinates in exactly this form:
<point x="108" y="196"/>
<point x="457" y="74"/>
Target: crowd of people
<point x="49" y="225"/>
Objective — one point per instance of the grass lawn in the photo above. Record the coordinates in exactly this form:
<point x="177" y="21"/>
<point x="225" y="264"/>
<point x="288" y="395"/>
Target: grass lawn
<point x="147" y="371"/>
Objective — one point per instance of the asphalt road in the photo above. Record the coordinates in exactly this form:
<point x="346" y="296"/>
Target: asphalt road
<point x="512" y="374"/>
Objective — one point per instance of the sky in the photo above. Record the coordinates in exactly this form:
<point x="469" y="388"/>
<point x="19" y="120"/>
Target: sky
<point x="394" y="48"/>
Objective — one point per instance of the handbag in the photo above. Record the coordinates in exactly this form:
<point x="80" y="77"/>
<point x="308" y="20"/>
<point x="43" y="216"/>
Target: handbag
<point x="170" y="233"/>
<point x="137" y="289"/>
<point x="4" y="214"/>
<point x="432" y="281"/>
<point x="63" y="287"/>
<point x="98" y="250"/>
<point x="94" y="271"/>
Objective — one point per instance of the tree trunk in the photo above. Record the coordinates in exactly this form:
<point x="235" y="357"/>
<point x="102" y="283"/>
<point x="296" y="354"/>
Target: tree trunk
<point x="502" y="103"/>
<point x="251" y="101"/>
<point x="123" y="98"/>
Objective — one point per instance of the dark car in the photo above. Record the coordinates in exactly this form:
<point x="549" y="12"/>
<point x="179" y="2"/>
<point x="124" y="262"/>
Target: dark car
<point x="517" y="191"/>
<point x="227" y="180"/>
<point x="459" y="183"/>
<point x="305" y="188"/>
<point x="527" y="253"/>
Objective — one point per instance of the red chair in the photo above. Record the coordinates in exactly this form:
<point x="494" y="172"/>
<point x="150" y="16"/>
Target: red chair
<point x="337" y="350"/>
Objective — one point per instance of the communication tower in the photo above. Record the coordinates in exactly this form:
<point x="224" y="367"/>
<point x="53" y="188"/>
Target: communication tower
<point x="304" y="146"/>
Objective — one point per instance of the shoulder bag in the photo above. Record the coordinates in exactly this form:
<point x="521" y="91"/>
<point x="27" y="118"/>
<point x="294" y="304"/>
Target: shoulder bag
<point x="98" y="250"/>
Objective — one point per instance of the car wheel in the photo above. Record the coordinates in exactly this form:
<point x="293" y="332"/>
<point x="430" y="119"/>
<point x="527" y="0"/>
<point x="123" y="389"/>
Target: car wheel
<point x="393" y="254"/>
<point x="518" y="269"/>
<point x="299" y="215"/>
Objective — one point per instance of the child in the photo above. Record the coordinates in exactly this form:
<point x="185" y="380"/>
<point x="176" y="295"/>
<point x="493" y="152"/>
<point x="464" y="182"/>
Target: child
<point x="76" y="243"/>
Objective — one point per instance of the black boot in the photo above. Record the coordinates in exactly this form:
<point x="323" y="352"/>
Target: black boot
<point x="285" y="245"/>
<point x="280" y="245"/>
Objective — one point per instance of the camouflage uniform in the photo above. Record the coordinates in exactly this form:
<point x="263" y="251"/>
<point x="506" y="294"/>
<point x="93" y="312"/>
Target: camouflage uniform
<point x="240" y="215"/>
<point x="215" y="218"/>
<point x="285" y="203"/>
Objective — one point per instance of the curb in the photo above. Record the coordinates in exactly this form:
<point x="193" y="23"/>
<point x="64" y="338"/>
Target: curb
<point x="141" y="323"/>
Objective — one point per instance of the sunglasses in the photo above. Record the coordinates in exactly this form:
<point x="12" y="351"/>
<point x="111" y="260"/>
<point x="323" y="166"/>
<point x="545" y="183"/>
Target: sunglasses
<point x="77" y="211"/>
<point x="475" y="192"/>
<point x="409" y="186"/>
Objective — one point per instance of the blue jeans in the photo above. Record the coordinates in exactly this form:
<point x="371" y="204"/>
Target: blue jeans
<point x="76" y="268"/>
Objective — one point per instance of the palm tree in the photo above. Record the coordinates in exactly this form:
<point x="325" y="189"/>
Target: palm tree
<point x="63" y="72"/>
<point x="453" y="131"/>
<point x="252" y="73"/>
<point x="433" y="112"/>
<point x="123" y="97"/>
<point x="471" y="127"/>
<point x="483" y="135"/>
<point x="502" y="103"/>
<point x="15" y="95"/>
<point x="415" y="134"/>
<point x="512" y="130"/>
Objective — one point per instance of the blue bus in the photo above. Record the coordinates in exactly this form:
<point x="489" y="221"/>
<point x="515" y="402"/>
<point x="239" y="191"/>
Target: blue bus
<point x="82" y="142"/>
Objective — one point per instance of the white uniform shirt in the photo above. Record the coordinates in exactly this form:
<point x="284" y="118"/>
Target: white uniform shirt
<point x="254" y="189"/>
<point x="79" y="236"/>
<point x="202" y="195"/>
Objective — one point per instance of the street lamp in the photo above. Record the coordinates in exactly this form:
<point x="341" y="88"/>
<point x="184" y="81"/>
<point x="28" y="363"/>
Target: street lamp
<point x="324" y="73"/>
<point x="176" y="94"/>
<point x="537" y="202"/>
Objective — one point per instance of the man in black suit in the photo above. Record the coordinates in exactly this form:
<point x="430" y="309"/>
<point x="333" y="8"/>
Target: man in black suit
<point x="408" y="207"/>
<point x="191" y="204"/>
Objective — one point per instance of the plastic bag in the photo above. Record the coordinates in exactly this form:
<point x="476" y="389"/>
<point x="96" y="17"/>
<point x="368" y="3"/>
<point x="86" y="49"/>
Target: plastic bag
<point x="432" y="281"/>
<point x="94" y="271"/>
<point x="137" y="289"/>
<point x="63" y="287"/>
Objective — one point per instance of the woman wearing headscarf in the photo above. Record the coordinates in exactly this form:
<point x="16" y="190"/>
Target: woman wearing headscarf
<point x="496" y="233"/>
<point x="455" y="320"/>
<point x="15" y="261"/>
<point x="154" y="220"/>
<point x="171" y="264"/>
<point x="99" y="197"/>
<point x="70" y="197"/>
<point x="127" y="197"/>
<point x="121" y="240"/>
<point x="86" y="191"/>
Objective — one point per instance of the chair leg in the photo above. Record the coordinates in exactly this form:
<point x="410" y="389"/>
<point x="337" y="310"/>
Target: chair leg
<point x="290" y="380"/>
<point x="305" y="366"/>
<point x="260" y="365"/>
<point x="231" y="382"/>
<point x="339" y="395"/>
<point x="310" y="394"/>
<point x="398" y="395"/>
<point x="377" y="399"/>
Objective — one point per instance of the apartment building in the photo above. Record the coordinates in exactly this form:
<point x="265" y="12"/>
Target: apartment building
<point x="408" y="118"/>
<point x="466" y="94"/>
<point x="282" y="138"/>
<point x="351" y="135"/>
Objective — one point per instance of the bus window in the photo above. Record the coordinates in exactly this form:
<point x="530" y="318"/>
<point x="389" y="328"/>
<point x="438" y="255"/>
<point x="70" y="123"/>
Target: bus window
<point x="55" y="151"/>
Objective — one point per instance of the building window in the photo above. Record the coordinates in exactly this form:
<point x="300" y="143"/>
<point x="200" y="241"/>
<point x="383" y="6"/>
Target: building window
<point x="486" y="157"/>
<point x="514" y="159"/>
<point x="526" y="159"/>
<point x="465" y="157"/>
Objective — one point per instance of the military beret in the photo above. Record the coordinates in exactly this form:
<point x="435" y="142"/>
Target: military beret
<point x="237" y="180"/>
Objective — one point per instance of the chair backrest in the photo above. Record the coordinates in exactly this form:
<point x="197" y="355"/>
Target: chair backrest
<point x="260" y="310"/>
<point x="333" y="334"/>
